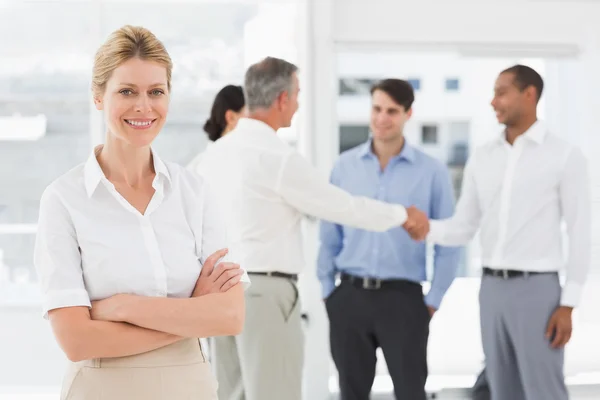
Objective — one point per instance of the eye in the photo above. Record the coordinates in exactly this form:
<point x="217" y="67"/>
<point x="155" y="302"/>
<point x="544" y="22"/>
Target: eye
<point x="126" y="92"/>
<point x="157" y="92"/>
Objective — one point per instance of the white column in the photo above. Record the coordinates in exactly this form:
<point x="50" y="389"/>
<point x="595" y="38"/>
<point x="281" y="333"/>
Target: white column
<point x="96" y="32"/>
<point x="562" y="98"/>
<point x="588" y="82"/>
<point x="319" y="142"/>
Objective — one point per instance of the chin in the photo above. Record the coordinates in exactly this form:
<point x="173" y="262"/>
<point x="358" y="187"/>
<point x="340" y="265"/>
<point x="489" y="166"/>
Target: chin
<point x="139" y="140"/>
<point x="382" y="137"/>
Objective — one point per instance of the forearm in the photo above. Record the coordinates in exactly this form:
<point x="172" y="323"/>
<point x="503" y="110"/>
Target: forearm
<point x="578" y="266"/>
<point x="83" y="338"/>
<point x="216" y="314"/>
<point x="445" y="265"/>
<point x="326" y="269"/>
<point x="450" y="232"/>
<point x="326" y="275"/>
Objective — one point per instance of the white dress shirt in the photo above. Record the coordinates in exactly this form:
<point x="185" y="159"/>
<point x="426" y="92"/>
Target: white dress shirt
<point x="92" y="244"/>
<point x="194" y="165"/>
<point x="519" y="196"/>
<point x="269" y="187"/>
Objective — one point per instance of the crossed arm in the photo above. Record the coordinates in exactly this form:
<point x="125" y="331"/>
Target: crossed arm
<point x="125" y="325"/>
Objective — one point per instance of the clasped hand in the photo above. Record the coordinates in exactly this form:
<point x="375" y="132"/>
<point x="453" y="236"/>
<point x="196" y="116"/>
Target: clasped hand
<point x="417" y="223"/>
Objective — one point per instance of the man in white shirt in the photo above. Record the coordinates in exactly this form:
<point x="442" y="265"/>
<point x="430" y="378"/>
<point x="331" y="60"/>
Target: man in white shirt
<point x="518" y="189"/>
<point x="268" y="188"/>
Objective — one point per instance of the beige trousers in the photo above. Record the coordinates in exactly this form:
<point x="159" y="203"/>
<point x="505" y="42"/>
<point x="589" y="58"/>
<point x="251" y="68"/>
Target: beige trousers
<point x="265" y="361"/>
<point x="175" y="372"/>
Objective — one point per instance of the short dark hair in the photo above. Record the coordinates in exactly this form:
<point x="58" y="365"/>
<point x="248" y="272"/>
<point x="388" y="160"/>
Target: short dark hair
<point x="526" y="76"/>
<point x="399" y="90"/>
<point x="229" y="98"/>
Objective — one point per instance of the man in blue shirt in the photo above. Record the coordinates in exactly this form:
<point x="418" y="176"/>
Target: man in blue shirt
<point x="380" y="302"/>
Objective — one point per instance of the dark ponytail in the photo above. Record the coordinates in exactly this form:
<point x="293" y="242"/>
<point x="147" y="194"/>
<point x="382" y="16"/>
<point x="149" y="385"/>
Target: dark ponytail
<point x="229" y="98"/>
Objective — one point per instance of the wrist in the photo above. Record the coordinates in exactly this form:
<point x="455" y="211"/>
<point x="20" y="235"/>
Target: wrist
<point x="568" y="309"/>
<point x="122" y="308"/>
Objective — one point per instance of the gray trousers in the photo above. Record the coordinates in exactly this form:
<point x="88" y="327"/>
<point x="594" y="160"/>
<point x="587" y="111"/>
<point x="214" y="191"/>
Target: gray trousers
<point x="520" y="364"/>
<point x="265" y="361"/>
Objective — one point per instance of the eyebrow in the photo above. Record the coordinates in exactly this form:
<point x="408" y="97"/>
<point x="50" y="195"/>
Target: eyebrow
<point x="134" y="85"/>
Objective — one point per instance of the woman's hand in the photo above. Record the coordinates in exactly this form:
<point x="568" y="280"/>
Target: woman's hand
<point x="219" y="278"/>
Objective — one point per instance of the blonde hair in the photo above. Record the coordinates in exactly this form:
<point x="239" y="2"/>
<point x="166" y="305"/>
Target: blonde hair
<point x="122" y="45"/>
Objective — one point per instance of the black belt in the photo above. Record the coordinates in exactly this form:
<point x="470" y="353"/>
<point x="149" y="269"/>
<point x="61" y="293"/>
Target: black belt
<point x="292" y="277"/>
<point x="374" y="283"/>
<point x="512" y="273"/>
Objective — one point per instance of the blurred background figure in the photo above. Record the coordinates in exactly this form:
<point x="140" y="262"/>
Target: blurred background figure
<point x="379" y="269"/>
<point x="229" y="105"/>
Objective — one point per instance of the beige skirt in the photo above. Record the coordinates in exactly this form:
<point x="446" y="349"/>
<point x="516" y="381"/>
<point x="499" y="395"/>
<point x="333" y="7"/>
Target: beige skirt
<point x="175" y="372"/>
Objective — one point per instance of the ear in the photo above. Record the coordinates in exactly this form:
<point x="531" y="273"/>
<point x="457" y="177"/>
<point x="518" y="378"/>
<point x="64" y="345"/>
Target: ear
<point x="409" y="114"/>
<point x="283" y="99"/>
<point x="531" y="93"/>
<point x="229" y="117"/>
<point x="98" y="103"/>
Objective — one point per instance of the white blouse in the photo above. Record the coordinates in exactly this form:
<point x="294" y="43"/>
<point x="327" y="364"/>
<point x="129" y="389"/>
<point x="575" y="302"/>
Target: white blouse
<point x="92" y="244"/>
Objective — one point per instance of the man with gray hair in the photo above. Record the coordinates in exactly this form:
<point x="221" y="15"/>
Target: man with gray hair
<point x="267" y="188"/>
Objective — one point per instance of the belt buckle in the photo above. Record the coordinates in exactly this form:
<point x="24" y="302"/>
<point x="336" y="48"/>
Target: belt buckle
<point x="504" y="274"/>
<point x="370" y="284"/>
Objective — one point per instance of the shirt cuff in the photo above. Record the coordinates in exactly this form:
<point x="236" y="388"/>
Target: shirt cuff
<point x="245" y="280"/>
<point x="65" y="298"/>
<point x="400" y="214"/>
<point x="436" y="232"/>
<point x="571" y="294"/>
<point x="327" y="285"/>
<point x="434" y="298"/>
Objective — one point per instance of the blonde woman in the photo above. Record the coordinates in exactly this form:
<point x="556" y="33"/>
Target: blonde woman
<point x="128" y="246"/>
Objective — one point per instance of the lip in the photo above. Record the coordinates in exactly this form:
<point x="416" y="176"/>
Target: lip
<point x="140" y="123"/>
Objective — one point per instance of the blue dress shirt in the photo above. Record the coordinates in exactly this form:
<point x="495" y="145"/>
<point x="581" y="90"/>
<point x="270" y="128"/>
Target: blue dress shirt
<point x="410" y="178"/>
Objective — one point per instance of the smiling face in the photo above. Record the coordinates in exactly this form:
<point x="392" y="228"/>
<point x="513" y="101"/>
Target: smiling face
<point x="387" y="117"/>
<point x="135" y="101"/>
<point x="510" y="103"/>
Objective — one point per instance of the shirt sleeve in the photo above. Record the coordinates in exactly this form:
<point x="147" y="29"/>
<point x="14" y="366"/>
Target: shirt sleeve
<point x="303" y="187"/>
<point x="446" y="259"/>
<point x="460" y="228"/>
<point x="56" y="256"/>
<point x="332" y="239"/>
<point x="575" y="200"/>
<point x="214" y="229"/>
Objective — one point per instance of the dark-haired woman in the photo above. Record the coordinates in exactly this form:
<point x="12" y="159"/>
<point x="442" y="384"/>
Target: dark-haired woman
<point x="227" y="108"/>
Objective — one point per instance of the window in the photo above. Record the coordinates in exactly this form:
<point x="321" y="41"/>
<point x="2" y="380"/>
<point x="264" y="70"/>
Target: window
<point x="429" y="134"/>
<point x="452" y="85"/>
<point x="352" y="136"/>
<point x="415" y="83"/>
<point x="356" y="87"/>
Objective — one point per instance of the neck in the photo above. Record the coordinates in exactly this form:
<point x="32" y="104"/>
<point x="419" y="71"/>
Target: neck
<point x="122" y="163"/>
<point x="385" y="150"/>
<point x="269" y="117"/>
<point x="516" y="130"/>
<point x="226" y="131"/>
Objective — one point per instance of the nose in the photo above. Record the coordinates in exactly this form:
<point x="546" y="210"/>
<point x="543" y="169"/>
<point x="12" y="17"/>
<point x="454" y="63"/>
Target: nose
<point x="143" y="103"/>
<point x="381" y="119"/>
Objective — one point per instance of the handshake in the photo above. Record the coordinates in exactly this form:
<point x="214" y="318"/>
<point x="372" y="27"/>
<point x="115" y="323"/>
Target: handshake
<point x="417" y="224"/>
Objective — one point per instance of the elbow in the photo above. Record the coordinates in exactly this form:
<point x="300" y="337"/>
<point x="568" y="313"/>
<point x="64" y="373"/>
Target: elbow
<point x="74" y="356"/>
<point x="75" y="352"/>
